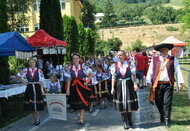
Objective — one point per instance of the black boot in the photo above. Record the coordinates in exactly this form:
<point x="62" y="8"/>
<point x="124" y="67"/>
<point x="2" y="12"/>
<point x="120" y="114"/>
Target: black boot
<point x="129" y="116"/>
<point x="162" y="116"/>
<point x="125" y="121"/>
<point x="167" y="119"/>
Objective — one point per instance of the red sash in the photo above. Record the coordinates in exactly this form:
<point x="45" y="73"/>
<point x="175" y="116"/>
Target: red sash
<point x="77" y="82"/>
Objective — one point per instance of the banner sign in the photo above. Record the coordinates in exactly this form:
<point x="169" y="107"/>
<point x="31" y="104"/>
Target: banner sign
<point x="56" y="104"/>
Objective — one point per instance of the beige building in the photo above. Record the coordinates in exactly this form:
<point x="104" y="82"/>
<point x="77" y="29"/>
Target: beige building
<point x="68" y="7"/>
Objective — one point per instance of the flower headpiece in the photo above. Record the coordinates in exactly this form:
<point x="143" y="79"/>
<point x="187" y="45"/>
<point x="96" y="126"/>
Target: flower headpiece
<point x="74" y="53"/>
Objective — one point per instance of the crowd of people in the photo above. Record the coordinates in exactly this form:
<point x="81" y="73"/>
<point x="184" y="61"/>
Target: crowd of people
<point x="115" y="77"/>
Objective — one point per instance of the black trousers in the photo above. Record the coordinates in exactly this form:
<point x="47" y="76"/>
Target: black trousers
<point x="163" y="99"/>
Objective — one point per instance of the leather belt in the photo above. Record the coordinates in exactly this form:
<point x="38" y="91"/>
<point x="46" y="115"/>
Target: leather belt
<point x="163" y="82"/>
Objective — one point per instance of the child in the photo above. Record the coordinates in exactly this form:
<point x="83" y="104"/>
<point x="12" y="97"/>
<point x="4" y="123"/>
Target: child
<point x="92" y="85"/>
<point x="54" y="86"/>
<point x="102" y="89"/>
<point x="64" y="78"/>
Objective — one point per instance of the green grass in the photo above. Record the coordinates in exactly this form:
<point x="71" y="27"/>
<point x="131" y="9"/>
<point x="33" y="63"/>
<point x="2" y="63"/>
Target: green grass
<point x="180" y="117"/>
<point x="177" y="2"/>
<point x="185" y="75"/>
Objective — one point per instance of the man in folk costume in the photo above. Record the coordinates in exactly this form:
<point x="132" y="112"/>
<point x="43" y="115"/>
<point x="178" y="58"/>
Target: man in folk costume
<point x="124" y="88"/>
<point x="160" y="78"/>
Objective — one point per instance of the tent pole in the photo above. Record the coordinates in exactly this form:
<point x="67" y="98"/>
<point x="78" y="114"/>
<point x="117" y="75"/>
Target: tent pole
<point x="58" y="60"/>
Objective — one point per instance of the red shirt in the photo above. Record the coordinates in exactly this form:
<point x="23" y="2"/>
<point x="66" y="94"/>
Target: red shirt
<point x="140" y="62"/>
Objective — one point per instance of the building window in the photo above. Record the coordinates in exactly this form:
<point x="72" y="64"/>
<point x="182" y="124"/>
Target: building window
<point x="23" y="29"/>
<point x="36" y="27"/>
<point x="62" y="4"/>
<point x="36" y="5"/>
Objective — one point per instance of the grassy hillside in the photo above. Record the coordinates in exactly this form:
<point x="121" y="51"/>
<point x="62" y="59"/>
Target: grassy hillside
<point x="148" y="34"/>
<point x="177" y="2"/>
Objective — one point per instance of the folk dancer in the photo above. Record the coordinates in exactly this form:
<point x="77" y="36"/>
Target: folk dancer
<point x="165" y="86"/>
<point x="34" y="92"/>
<point x="77" y="89"/>
<point x="124" y="88"/>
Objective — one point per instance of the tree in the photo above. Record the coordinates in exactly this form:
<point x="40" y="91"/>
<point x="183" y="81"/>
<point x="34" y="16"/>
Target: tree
<point x="161" y="15"/>
<point x="51" y="19"/>
<point x="88" y="12"/>
<point x="99" y="47"/>
<point x="113" y="44"/>
<point x="137" y="45"/>
<point x="82" y="40"/>
<point x="3" y="16"/>
<point x="103" y="47"/>
<point x="109" y="18"/>
<point x="16" y="11"/>
<point x="90" y="37"/>
<point x="4" y="70"/>
<point x="186" y="17"/>
<point x="70" y="35"/>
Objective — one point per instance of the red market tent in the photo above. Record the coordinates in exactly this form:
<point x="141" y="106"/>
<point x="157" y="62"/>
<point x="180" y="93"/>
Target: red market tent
<point x="48" y="44"/>
<point x="43" y="39"/>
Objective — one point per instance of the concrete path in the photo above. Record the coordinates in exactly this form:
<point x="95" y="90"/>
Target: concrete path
<point x="145" y="119"/>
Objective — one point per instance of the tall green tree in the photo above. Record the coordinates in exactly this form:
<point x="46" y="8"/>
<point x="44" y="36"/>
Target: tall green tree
<point x="51" y="19"/>
<point x="70" y="35"/>
<point x="88" y="12"/>
<point x="4" y="70"/>
<point x="90" y="37"/>
<point x="3" y="16"/>
<point x="186" y="17"/>
<point x="82" y="40"/>
<point x="109" y="18"/>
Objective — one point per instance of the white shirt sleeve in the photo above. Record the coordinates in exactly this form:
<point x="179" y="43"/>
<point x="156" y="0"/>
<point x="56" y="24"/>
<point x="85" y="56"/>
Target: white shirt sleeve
<point x="22" y="73"/>
<point x="59" y="86"/>
<point x="41" y="75"/>
<point x="86" y="70"/>
<point x="48" y="85"/>
<point x="112" y="69"/>
<point x="178" y="71"/>
<point x="150" y="72"/>
<point x="133" y="68"/>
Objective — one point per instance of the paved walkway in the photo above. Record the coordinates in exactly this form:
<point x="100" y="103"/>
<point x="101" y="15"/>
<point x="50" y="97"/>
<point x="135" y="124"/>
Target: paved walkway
<point x="145" y="119"/>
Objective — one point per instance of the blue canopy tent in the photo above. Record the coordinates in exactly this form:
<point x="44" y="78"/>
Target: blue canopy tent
<point x="11" y="42"/>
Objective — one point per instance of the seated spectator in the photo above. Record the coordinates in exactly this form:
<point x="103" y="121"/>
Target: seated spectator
<point x="54" y="86"/>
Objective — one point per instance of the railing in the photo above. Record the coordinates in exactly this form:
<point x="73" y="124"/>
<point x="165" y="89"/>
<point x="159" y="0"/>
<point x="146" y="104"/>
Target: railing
<point x="188" y="76"/>
<point x="184" y="61"/>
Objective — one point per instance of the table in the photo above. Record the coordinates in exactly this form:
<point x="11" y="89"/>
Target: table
<point x="10" y="90"/>
<point x="11" y="102"/>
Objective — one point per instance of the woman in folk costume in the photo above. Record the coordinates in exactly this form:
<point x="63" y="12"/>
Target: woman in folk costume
<point x="124" y="89"/>
<point x="34" y="91"/>
<point x="102" y="89"/>
<point x="77" y="89"/>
